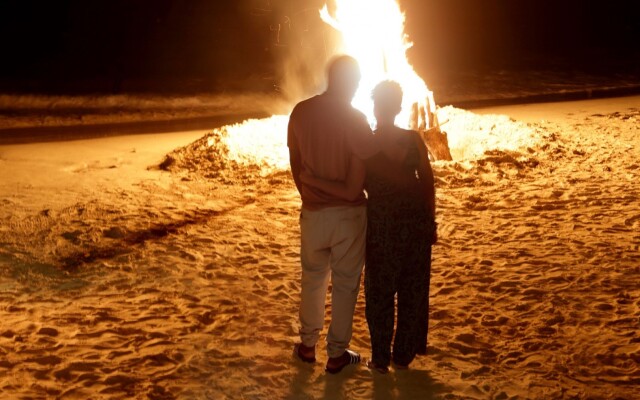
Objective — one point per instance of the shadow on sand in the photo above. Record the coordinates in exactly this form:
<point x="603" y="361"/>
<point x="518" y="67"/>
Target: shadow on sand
<point x="312" y="382"/>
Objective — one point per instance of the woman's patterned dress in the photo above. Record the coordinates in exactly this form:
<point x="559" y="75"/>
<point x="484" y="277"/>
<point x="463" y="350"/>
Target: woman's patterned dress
<point x="398" y="262"/>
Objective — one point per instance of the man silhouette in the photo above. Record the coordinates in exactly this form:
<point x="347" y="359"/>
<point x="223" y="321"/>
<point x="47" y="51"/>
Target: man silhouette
<point x="326" y="138"/>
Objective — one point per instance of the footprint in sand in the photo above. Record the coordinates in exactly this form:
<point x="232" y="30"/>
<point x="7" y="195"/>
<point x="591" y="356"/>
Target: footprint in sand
<point x="91" y="166"/>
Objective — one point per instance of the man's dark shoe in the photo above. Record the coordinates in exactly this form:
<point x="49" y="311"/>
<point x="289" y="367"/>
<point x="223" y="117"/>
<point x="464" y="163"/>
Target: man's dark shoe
<point x="336" y="364"/>
<point x="306" y="354"/>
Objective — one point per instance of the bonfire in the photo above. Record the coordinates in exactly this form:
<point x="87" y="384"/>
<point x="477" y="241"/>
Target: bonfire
<point x="373" y="33"/>
<point x="122" y="281"/>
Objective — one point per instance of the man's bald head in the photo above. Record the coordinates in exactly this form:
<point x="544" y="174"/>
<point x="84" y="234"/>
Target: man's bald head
<point x="343" y="74"/>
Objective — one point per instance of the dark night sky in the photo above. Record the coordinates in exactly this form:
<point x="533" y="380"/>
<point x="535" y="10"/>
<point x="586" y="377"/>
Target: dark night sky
<point x="190" y="45"/>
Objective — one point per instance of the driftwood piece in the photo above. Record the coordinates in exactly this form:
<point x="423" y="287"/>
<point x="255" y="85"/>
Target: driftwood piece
<point x="437" y="144"/>
<point x="424" y="120"/>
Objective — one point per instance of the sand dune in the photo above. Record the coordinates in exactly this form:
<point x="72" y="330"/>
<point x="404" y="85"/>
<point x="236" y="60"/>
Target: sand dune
<point x="121" y="279"/>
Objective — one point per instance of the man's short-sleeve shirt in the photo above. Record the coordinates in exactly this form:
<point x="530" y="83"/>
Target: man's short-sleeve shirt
<point x="327" y="134"/>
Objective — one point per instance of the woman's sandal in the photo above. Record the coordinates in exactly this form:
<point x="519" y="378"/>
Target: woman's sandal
<point x="398" y="365"/>
<point x="380" y="368"/>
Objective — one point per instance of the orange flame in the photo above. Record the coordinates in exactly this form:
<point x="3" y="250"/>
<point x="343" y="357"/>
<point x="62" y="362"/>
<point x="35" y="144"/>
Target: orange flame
<point x="373" y="33"/>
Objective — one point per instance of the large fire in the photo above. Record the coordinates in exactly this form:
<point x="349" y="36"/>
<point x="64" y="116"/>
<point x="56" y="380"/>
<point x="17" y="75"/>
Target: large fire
<point x="372" y="31"/>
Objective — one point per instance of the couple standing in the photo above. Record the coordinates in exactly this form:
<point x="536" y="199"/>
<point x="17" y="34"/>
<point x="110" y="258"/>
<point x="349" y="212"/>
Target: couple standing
<point x="334" y="156"/>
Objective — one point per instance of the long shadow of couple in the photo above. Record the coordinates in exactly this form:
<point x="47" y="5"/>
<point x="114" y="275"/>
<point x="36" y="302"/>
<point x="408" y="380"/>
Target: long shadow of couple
<point x="361" y="383"/>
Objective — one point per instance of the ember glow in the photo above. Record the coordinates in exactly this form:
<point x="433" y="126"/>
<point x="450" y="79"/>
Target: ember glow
<point x="260" y="142"/>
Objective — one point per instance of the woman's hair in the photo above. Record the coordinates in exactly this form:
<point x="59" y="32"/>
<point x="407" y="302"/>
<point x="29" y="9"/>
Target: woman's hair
<point x="387" y="94"/>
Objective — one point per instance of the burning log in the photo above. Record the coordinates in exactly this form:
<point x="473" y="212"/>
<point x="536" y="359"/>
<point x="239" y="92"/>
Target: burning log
<point x="424" y="120"/>
<point x="437" y="144"/>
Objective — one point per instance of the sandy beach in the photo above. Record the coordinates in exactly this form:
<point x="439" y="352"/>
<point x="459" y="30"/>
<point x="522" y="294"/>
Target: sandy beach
<point x="166" y="266"/>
